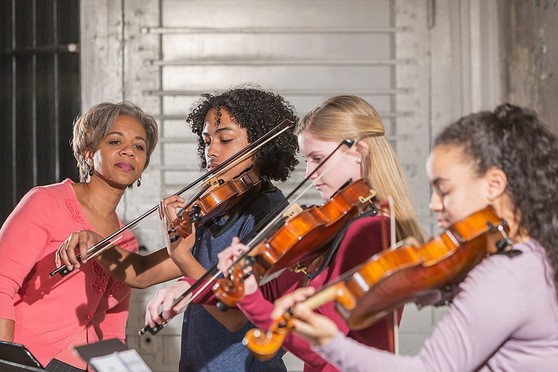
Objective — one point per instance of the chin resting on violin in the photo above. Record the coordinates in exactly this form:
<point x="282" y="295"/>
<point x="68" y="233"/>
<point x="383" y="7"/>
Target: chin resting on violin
<point x="504" y="315"/>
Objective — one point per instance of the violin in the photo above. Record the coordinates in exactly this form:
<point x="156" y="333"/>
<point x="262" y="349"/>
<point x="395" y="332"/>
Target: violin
<point x="215" y="199"/>
<point x="296" y="242"/>
<point x="424" y="274"/>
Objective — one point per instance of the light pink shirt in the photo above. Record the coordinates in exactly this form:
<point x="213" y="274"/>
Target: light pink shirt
<point x="50" y="312"/>
<point x="504" y="319"/>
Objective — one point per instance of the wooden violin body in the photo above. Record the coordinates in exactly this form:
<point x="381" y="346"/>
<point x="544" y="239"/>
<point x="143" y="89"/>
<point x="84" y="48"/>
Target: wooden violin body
<point x="296" y="242"/>
<point x="391" y="278"/>
<point x="304" y="237"/>
<point x="424" y="275"/>
<point x="216" y="199"/>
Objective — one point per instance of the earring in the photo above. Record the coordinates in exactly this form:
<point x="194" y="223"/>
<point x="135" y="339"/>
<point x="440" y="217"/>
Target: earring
<point x="139" y="182"/>
<point x="358" y="161"/>
<point x="90" y="165"/>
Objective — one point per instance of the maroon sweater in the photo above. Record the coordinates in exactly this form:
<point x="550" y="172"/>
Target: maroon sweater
<point x="362" y="240"/>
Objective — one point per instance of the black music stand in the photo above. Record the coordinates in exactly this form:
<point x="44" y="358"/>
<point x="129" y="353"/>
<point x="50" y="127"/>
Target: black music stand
<point x="15" y="358"/>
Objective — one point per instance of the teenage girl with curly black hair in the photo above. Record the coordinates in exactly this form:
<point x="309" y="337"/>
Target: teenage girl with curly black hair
<point x="225" y="123"/>
<point x="256" y="112"/>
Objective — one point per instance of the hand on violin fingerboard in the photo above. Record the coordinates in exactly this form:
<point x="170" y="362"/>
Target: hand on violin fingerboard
<point x="316" y="328"/>
<point x="178" y="248"/>
<point x="162" y="307"/>
<point x="230" y="255"/>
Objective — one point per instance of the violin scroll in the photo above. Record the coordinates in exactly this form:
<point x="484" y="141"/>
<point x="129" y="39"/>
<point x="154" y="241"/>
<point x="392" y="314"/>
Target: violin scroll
<point x="230" y="290"/>
<point x="264" y="345"/>
<point x="182" y="225"/>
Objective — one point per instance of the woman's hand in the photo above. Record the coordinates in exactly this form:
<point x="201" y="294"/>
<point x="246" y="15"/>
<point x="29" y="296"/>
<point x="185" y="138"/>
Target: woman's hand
<point x="230" y="255"/>
<point x="162" y="303"/>
<point x="83" y="240"/>
<point x="316" y="328"/>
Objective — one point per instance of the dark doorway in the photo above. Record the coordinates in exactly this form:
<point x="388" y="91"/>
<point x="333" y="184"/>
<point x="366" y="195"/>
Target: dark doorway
<point x="39" y="94"/>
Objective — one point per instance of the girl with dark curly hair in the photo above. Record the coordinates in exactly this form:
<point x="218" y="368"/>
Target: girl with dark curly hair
<point x="505" y="315"/>
<point x="226" y="123"/>
<point x="255" y="112"/>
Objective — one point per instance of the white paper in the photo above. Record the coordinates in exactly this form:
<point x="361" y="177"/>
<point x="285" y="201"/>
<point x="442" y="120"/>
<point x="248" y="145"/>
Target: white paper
<point x="124" y="361"/>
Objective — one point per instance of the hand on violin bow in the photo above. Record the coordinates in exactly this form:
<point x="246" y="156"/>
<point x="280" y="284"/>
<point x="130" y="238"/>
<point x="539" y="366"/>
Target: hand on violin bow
<point x="167" y="214"/>
<point x="83" y="240"/>
<point x="162" y="303"/>
<point x="314" y="327"/>
<point x="230" y="255"/>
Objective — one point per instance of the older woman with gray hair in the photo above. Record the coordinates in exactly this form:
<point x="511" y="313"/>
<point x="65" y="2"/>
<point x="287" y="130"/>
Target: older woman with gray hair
<point x="112" y="143"/>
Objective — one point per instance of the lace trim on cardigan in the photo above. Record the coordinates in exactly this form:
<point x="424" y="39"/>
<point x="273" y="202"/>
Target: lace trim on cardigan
<point x="103" y="282"/>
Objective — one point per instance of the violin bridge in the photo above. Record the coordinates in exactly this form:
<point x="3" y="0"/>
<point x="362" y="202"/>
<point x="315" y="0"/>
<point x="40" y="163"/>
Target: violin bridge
<point x="408" y="241"/>
<point x="211" y="184"/>
<point x="291" y="211"/>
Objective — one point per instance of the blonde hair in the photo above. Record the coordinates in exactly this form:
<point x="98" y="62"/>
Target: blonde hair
<point x="351" y="117"/>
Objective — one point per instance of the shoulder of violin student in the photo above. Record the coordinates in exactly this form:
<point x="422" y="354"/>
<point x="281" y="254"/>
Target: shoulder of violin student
<point x="366" y="236"/>
<point x="264" y="201"/>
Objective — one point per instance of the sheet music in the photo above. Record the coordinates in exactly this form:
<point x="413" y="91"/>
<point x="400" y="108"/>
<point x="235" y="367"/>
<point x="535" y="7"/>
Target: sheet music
<point x="123" y="361"/>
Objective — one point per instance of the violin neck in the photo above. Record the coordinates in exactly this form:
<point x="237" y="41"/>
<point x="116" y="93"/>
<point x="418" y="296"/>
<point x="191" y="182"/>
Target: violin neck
<point x="326" y="295"/>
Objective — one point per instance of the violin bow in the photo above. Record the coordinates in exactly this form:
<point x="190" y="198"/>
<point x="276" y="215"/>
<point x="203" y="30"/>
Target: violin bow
<point x="213" y="273"/>
<point x="392" y="319"/>
<point x="241" y="155"/>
